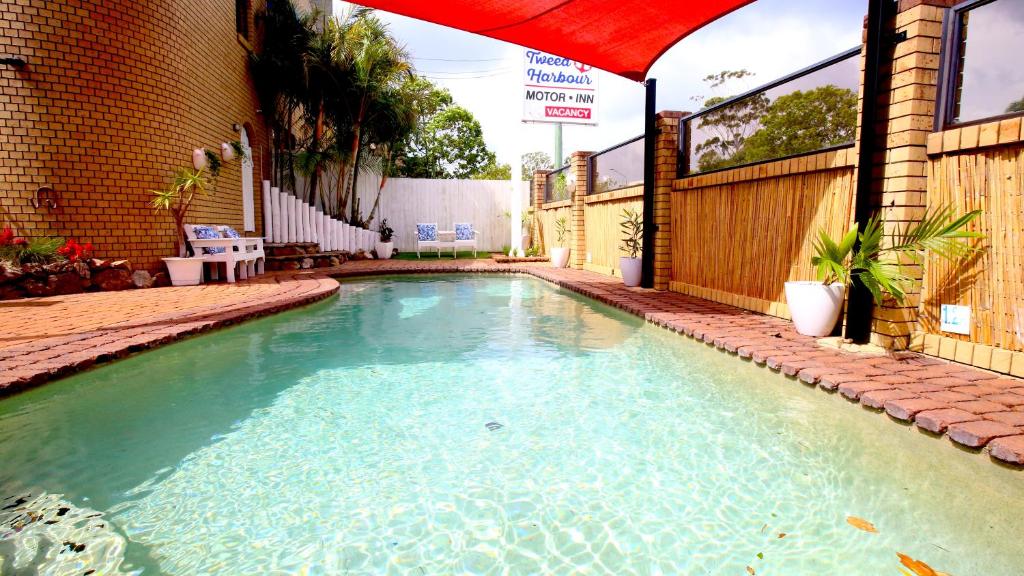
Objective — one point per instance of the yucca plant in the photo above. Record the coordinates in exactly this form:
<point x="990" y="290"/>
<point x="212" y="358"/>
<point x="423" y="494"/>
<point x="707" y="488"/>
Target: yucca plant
<point x="632" y="231"/>
<point x="561" y="229"/>
<point x="879" y="264"/>
<point x="177" y="199"/>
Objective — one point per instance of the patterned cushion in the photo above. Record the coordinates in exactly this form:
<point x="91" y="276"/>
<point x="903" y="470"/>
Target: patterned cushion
<point x="207" y="233"/>
<point x="230" y="232"/>
<point x="463" y="231"/>
<point x="426" y="232"/>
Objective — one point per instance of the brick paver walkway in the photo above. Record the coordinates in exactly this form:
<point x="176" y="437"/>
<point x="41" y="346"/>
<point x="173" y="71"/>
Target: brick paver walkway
<point x="46" y="338"/>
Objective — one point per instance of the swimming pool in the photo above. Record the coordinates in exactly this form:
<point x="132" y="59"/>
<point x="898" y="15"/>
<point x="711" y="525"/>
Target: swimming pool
<point x="480" y="425"/>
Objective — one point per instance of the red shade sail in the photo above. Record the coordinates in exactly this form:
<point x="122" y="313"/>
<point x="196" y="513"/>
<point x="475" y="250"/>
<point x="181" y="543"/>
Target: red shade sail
<point x="624" y="37"/>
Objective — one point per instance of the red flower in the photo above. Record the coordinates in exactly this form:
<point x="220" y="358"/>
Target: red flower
<point x="74" y="251"/>
<point x="6" y="237"/>
<point x="19" y="241"/>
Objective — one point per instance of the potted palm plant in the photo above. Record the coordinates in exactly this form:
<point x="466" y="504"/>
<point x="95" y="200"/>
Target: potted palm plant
<point x="632" y="240"/>
<point x="385" y="247"/>
<point x="815" y="306"/>
<point x="177" y="199"/>
<point x="560" y="254"/>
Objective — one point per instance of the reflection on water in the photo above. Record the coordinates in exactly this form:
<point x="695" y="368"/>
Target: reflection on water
<point x="354" y="438"/>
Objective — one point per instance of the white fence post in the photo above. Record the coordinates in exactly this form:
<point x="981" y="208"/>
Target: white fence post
<point x="268" y="225"/>
<point x="300" y="230"/>
<point x="275" y="212"/>
<point x="289" y="217"/>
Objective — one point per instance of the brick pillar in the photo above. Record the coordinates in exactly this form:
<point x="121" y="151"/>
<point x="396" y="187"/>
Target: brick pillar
<point x="578" y="233"/>
<point x="906" y="117"/>
<point x="539" y="181"/>
<point x="666" y="156"/>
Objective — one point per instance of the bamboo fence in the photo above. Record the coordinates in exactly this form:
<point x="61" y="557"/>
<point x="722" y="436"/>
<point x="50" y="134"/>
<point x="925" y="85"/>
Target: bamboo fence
<point x="992" y="281"/>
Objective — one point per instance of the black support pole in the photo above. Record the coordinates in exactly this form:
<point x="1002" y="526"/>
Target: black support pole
<point x="650" y="140"/>
<point x="860" y="306"/>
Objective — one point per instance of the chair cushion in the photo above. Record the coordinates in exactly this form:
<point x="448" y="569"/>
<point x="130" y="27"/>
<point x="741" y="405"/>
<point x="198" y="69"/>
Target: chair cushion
<point x="463" y="231"/>
<point x="207" y="233"/>
<point x="426" y="232"/>
<point x="230" y="232"/>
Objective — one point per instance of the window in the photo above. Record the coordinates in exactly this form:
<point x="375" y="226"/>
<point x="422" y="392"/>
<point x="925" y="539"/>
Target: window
<point x="983" y="76"/>
<point x="808" y="111"/>
<point x="242" y="18"/>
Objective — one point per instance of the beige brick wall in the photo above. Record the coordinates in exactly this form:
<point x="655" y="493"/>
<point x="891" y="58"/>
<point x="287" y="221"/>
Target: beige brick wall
<point x="115" y="96"/>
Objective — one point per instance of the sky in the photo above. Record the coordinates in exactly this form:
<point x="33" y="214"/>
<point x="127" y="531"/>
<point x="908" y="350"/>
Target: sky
<point x="770" y="38"/>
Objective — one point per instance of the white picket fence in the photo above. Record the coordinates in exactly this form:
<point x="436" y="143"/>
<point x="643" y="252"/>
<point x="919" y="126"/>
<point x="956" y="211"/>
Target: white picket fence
<point x="405" y="202"/>
<point x="289" y="219"/>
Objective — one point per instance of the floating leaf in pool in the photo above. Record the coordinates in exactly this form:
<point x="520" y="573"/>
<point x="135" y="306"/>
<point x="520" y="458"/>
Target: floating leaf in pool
<point x="861" y="524"/>
<point x="492" y="426"/>
<point x="782" y="535"/>
<point x="919" y="567"/>
<point x="760" y="555"/>
<point x="751" y="571"/>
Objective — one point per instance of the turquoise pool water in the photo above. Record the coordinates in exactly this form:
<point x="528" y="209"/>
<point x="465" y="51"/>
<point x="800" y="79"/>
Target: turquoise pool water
<point x="477" y="425"/>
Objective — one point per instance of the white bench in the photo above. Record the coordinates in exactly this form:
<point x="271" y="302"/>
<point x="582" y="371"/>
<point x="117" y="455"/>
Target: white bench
<point x="235" y="251"/>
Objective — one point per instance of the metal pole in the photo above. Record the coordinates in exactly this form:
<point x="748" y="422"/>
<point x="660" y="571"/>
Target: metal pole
<point x="557" y="161"/>
<point x="860" y="305"/>
<point x="650" y="139"/>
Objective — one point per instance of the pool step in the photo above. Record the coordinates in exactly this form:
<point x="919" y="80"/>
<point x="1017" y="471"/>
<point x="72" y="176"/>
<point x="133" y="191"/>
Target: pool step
<point x="307" y="260"/>
<point x="291" y="248"/>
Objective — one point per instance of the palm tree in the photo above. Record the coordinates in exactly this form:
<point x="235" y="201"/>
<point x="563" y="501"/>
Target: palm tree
<point x="279" y="75"/>
<point x="377" y="67"/>
<point x="400" y="113"/>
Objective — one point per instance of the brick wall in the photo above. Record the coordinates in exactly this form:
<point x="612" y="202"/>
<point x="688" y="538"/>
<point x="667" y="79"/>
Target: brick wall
<point x="115" y="96"/>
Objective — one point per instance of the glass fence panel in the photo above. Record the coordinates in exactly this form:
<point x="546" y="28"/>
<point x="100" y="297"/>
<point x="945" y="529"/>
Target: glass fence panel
<point x="811" y="111"/>
<point x="559" y="185"/>
<point x="617" y="168"/>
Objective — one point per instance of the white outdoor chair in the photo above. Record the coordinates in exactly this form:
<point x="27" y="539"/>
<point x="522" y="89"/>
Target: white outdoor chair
<point x="253" y="247"/>
<point x="219" y="250"/>
<point x="465" y="237"/>
<point x="426" y="237"/>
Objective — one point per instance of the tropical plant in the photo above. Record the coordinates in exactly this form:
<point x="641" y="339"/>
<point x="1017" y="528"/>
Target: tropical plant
<point x="632" y="231"/>
<point x="178" y="197"/>
<point x="561" y="229"/>
<point x="879" y="264"/>
<point x="386" y="232"/>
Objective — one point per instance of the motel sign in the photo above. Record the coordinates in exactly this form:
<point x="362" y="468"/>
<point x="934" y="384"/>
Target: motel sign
<point x="558" y="90"/>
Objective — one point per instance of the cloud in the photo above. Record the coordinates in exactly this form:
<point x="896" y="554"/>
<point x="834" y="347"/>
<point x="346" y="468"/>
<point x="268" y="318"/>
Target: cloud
<point x="770" y="38"/>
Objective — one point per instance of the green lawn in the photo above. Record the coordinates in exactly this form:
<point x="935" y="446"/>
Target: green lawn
<point x="445" y="255"/>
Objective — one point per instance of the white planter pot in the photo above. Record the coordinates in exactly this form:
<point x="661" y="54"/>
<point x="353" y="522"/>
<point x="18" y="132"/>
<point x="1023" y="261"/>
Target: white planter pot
<point x="384" y="250"/>
<point x="630" y="268"/>
<point x="184" y="271"/>
<point x="559" y="257"/>
<point x="814" y="306"/>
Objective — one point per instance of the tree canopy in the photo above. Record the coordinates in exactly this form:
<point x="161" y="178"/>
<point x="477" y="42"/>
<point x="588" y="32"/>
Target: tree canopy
<point x="448" y="141"/>
<point x="533" y="161"/>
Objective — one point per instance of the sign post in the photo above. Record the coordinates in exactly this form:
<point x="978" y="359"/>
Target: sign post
<point x="556" y="91"/>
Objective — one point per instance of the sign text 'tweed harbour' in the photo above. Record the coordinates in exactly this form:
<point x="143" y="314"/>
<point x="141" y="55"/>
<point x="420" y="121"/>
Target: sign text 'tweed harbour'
<point x="551" y="79"/>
